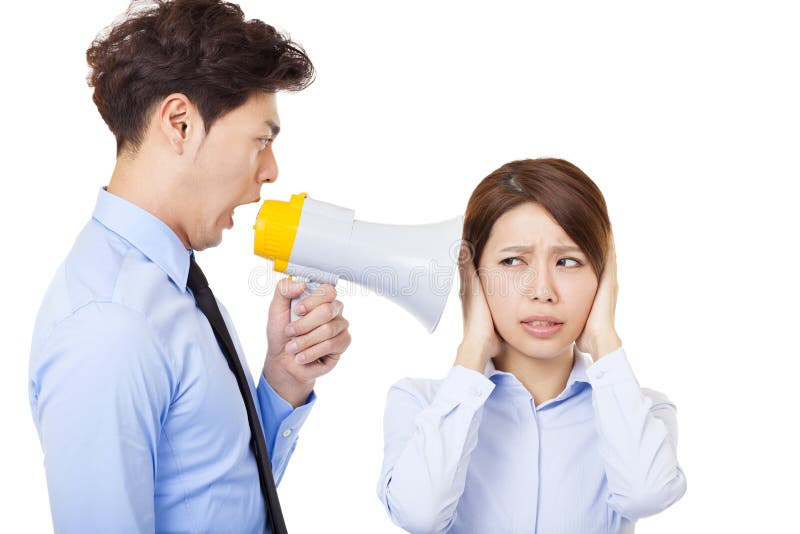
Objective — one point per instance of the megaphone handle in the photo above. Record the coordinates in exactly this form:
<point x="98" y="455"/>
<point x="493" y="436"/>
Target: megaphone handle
<point x="311" y="286"/>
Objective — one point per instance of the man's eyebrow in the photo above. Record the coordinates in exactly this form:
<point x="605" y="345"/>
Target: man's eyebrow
<point x="274" y="127"/>
<point x="528" y="248"/>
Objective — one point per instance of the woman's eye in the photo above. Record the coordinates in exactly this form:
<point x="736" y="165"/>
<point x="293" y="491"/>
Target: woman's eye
<point x="576" y="262"/>
<point x="265" y="141"/>
<point x="508" y="261"/>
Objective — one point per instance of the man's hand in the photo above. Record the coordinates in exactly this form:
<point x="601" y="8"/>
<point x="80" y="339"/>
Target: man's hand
<point x="299" y="352"/>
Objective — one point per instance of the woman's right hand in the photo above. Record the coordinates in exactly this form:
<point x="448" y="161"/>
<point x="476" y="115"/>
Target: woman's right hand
<point x="481" y="341"/>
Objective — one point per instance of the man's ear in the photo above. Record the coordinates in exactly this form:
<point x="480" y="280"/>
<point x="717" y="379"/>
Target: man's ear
<point x="179" y="121"/>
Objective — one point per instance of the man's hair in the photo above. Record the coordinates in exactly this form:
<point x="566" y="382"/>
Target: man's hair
<point x="204" y="49"/>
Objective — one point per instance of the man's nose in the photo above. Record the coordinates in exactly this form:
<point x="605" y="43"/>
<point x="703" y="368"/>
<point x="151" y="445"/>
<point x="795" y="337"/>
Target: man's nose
<point x="268" y="170"/>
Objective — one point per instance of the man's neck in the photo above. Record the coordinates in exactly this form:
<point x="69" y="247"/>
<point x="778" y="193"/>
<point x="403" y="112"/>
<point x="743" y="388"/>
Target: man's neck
<point x="134" y="182"/>
<point x="544" y="378"/>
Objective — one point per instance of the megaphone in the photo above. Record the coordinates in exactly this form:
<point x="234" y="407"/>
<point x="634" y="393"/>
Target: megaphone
<point x="412" y="265"/>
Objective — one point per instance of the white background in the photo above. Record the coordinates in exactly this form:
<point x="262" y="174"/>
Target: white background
<point x="685" y="114"/>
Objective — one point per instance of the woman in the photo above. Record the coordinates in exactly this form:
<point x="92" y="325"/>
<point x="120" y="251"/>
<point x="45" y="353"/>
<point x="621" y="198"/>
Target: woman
<point x="540" y="425"/>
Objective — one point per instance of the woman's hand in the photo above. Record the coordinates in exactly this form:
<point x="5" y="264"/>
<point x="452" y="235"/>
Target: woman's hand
<point x="599" y="336"/>
<point x="481" y="341"/>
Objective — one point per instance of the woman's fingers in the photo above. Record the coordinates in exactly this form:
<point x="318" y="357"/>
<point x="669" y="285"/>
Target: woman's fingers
<point x="470" y="284"/>
<point x="610" y="270"/>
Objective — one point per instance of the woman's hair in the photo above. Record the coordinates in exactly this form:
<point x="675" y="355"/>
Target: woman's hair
<point x="571" y="197"/>
<point x="201" y="48"/>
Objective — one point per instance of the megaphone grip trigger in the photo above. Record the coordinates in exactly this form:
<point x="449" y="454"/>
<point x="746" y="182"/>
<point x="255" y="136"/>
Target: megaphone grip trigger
<point x="311" y="286"/>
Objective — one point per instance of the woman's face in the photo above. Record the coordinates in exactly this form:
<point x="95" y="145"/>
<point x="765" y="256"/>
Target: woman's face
<point x="528" y="268"/>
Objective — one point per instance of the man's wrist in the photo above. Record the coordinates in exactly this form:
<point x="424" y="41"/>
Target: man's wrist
<point x="287" y="387"/>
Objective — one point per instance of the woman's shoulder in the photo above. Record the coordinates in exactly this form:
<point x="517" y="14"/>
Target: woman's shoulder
<point x="657" y="398"/>
<point x="422" y="389"/>
<point x="459" y="383"/>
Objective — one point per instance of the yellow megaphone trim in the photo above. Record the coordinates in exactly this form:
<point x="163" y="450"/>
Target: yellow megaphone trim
<point x="276" y="229"/>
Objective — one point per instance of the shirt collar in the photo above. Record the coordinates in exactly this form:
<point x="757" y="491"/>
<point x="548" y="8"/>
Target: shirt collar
<point x="577" y="374"/>
<point x="147" y="233"/>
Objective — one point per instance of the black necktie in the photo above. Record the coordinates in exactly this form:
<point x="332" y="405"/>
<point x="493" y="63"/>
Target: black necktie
<point x="208" y="305"/>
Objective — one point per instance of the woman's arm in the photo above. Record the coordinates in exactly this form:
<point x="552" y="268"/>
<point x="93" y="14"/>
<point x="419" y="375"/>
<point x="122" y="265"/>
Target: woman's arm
<point x="430" y="433"/>
<point x="638" y="430"/>
<point x="429" y="436"/>
<point x="638" y="434"/>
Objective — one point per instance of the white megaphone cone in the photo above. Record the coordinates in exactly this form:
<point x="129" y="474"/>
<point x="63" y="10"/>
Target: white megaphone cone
<point x="412" y="265"/>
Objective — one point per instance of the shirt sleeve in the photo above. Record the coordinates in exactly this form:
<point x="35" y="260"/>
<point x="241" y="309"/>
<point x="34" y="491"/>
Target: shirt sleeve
<point x="101" y="387"/>
<point x="638" y="435"/>
<point x="428" y="441"/>
<point x="281" y="423"/>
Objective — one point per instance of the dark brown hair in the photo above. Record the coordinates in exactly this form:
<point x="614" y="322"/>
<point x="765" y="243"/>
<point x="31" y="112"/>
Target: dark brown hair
<point x="571" y="197"/>
<point x="201" y="48"/>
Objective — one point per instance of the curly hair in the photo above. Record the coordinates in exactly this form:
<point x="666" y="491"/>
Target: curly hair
<point x="204" y="49"/>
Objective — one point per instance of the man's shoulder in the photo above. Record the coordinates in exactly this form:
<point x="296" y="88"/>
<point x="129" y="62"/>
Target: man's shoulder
<point x="101" y="267"/>
<point x="107" y="309"/>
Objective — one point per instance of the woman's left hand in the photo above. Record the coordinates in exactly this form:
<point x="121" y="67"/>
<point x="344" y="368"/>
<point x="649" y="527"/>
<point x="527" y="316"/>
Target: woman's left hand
<point x="599" y="337"/>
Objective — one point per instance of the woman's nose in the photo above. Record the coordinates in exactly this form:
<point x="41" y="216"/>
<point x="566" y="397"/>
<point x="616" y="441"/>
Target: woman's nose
<point x="540" y="284"/>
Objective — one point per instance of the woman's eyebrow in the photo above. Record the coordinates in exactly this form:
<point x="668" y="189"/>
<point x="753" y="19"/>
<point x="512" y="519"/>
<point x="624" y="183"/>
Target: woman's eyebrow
<point x="529" y="248"/>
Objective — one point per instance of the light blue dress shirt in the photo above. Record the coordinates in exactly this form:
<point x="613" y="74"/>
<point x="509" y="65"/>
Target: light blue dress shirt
<point x="472" y="454"/>
<point x="141" y="422"/>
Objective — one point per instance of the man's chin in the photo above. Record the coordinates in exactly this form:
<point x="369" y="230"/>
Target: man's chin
<point x="209" y="242"/>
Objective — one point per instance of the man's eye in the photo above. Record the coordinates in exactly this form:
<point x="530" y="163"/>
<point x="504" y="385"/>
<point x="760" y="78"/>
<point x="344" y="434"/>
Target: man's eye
<point x="508" y="261"/>
<point x="577" y="262"/>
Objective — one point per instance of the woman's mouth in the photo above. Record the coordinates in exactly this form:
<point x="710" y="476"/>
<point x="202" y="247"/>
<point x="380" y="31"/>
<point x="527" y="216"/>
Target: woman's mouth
<point x="542" y="327"/>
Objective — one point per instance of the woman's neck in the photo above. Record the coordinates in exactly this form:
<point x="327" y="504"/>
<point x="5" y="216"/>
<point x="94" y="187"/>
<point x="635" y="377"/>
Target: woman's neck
<point x="544" y="378"/>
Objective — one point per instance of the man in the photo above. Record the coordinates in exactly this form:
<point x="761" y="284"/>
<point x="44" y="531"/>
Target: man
<point x="141" y="412"/>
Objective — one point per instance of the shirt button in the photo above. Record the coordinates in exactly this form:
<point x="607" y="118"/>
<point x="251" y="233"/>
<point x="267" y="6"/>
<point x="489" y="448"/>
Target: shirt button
<point x="287" y="432"/>
<point x="477" y="391"/>
<point x="600" y="374"/>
